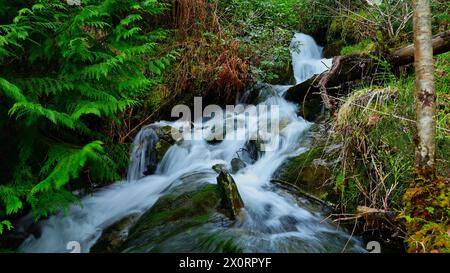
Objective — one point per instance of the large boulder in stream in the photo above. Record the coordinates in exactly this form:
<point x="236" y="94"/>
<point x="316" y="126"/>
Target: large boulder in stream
<point x="114" y="236"/>
<point x="188" y="218"/>
<point x="172" y="218"/>
<point x="309" y="172"/>
<point x="310" y="103"/>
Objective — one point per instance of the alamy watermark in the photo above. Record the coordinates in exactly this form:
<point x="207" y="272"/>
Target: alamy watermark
<point x="260" y="123"/>
<point x="74" y="2"/>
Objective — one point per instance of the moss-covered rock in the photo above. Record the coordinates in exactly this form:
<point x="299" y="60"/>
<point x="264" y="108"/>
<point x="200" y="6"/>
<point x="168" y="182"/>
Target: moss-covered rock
<point x="186" y="219"/>
<point x="218" y="168"/>
<point x="161" y="148"/>
<point x="171" y="216"/>
<point x="114" y="236"/>
<point x="231" y="202"/>
<point x="308" y="171"/>
<point x="162" y="138"/>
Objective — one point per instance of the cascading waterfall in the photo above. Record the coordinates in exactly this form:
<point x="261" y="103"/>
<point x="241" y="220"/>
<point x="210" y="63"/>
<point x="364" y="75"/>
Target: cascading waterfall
<point x="275" y="221"/>
<point x="307" y="58"/>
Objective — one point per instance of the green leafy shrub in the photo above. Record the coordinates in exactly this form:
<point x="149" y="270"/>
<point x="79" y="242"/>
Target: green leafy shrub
<point x="67" y="73"/>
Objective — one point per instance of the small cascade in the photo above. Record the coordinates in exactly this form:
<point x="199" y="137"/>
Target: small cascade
<point x="143" y="157"/>
<point x="307" y="58"/>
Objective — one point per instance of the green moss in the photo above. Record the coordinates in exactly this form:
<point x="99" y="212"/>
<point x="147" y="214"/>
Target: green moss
<point x="301" y="171"/>
<point x="171" y="216"/>
<point x="231" y="202"/>
<point x="361" y="47"/>
<point x="113" y="236"/>
<point x="427" y="215"/>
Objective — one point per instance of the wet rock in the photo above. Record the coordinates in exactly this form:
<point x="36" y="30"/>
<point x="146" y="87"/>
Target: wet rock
<point x="231" y="202"/>
<point x="309" y="171"/>
<point x="161" y="148"/>
<point x="164" y="138"/>
<point x="188" y="219"/>
<point x="219" y="167"/>
<point x="215" y="136"/>
<point x="251" y="152"/>
<point x="114" y="236"/>
<point x="237" y="165"/>
<point x="260" y="92"/>
<point x="169" y="134"/>
<point x="218" y="132"/>
<point x="170" y="225"/>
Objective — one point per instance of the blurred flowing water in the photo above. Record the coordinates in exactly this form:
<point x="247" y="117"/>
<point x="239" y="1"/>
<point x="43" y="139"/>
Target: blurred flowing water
<point x="273" y="219"/>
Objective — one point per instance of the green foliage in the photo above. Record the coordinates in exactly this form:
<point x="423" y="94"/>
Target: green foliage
<point x="66" y="73"/>
<point x="440" y="10"/>
<point x="442" y="85"/>
<point x="4" y="224"/>
<point x="378" y="160"/>
<point x="361" y="47"/>
<point x="316" y="15"/>
<point x="352" y="24"/>
<point x="264" y="30"/>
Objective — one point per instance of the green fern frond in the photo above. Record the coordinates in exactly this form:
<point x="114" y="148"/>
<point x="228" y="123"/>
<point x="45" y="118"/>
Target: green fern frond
<point x="100" y="109"/>
<point x="78" y="50"/>
<point x="5" y="223"/>
<point x="68" y="72"/>
<point x="33" y="110"/>
<point x="44" y="85"/>
<point x="10" y="198"/>
<point x="12" y="91"/>
<point x="138" y="83"/>
<point x="46" y="203"/>
<point x="69" y="167"/>
<point x="96" y="94"/>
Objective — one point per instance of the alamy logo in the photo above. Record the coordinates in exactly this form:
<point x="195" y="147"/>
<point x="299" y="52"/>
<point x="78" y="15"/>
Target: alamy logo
<point x="74" y="2"/>
<point x="373" y="247"/>
<point x="74" y="247"/>
<point x="212" y="123"/>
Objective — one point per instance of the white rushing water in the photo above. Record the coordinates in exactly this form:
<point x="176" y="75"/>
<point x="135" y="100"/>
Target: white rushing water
<point x="267" y="210"/>
<point x="307" y="58"/>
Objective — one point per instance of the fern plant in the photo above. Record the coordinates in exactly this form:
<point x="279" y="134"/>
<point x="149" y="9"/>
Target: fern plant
<point x="66" y="72"/>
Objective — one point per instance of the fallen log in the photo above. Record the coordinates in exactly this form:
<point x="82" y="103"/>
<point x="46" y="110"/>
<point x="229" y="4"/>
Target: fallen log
<point x="347" y="70"/>
<point x="404" y="56"/>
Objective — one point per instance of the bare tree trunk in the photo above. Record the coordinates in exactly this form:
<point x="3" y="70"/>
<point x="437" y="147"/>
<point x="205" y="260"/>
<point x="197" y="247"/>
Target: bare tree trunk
<point x="425" y="93"/>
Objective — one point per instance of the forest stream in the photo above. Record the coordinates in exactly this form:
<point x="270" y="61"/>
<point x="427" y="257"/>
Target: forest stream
<point x="272" y="220"/>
